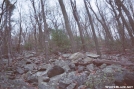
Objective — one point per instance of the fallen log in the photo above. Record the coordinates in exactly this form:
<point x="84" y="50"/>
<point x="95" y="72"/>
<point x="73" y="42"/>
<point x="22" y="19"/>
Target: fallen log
<point x="99" y="62"/>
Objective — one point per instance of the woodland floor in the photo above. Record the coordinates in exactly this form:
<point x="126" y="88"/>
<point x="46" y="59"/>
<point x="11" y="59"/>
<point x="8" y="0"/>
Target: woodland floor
<point x="16" y="76"/>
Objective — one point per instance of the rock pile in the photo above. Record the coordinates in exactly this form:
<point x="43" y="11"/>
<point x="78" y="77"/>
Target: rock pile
<point x="76" y="71"/>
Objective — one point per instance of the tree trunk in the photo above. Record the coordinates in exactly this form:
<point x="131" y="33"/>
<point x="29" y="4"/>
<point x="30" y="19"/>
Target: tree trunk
<point x="46" y="32"/>
<point x="67" y="25"/>
<point x="120" y="26"/>
<point x="75" y="14"/>
<point x="120" y="4"/>
<point x="126" y="24"/>
<point x="40" y="43"/>
<point x="19" y="44"/>
<point x="93" y="30"/>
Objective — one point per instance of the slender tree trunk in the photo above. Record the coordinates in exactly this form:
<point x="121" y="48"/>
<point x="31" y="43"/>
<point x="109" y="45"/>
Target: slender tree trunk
<point x="108" y="35"/>
<point x="93" y="30"/>
<point x="20" y="26"/>
<point x="120" y="26"/>
<point x="46" y="32"/>
<point x="40" y="43"/>
<point x="75" y="14"/>
<point x="67" y="25"/>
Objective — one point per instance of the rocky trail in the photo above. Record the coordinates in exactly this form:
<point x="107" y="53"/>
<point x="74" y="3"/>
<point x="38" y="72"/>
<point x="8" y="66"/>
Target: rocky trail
<point x="68" y="71"/>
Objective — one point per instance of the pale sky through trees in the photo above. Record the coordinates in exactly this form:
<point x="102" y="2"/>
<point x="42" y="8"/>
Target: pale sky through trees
<point x="24" y="5"/>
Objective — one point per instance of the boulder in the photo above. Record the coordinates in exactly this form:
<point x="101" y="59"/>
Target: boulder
<point x="87" y="60"/>
<point x="30" y="67"/>
<point x="61" y="63"/>
<point x="76" y="56"/>
<point x="79" y="79"/>
<point x="64" y="83"/>
<point x="72" y="66"/>
<point x="72" y="86"/>
<point x="43" y="79"/>
<point x="66" y="68"/>
<point x="55" y="70"/>
<point x="80" y="68"/>
<point x="30" y="78"/>
<point x="28" y="55"/>
<point x="90" y="67"/>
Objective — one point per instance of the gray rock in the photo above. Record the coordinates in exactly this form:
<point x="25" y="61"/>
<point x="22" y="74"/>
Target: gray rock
<point x="52" y="60"/>
<point x="28" y="61"/>
<point x="30" y="78"/>
<point x="72" y="86"/>
<point x="45" y="66"/>
<point x="28" y="55"/>
<point x="45" y="79"/>
<point x="57" y="78"/>
<point x="63" y="84"/>
<point x="90" y="67"/>
<point x="92" y="55"/>
<point x="126" y="77"/>
<point x="82" y="87"/>
<point x="61" y="63"/>
<point x="80" y="68"/>
<point x="87" y="60"/>
<point x="80" y="79"/>
<point x="66" y="55"/>
<point x="76" y="56"/>
<point x="103" y="66"/>
<point x="46" y="86"/>
<point x="19" y="70"/>
<point x="99" y="80"/>
<point x="30" y="67"/>
<point x="72" y="66"/>
<point x="56" y="70"/>
<point x="66" y="68"/>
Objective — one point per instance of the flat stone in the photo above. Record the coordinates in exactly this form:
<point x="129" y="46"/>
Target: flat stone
<point x="76" y="56"/>
<point x="92" y="55"/>
<point x="66" y="55"/>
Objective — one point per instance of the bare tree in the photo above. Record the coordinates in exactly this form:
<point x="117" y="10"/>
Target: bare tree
<point x="46" y="32"/>
<point x="77" y="18"/>
<point x="37" y="19"/>
<point x="93" y="30"/>
<point x="120" y="5"/>
<point x="67" y="25"/>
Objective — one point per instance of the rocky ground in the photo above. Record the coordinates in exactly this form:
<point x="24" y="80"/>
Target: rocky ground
<point x="67" y="71"/>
